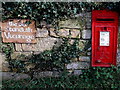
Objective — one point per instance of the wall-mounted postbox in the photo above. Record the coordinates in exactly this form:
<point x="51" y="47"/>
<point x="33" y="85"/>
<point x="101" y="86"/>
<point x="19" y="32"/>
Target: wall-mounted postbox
<point x="104" y="37"/>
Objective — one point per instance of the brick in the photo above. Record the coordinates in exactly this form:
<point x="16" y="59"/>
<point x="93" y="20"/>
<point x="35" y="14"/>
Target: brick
<point x="86" y="34"/>
<point x="42" y="32"/>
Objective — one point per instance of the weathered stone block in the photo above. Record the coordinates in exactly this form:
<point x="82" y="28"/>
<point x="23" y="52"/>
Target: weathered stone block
<point x="70" y="23"/>
<point x="89" y="49"/>
<point x="75" y="59"/>
<point x="29" y="66"/>
<point x="44" y="74"/>
<point x="52" y="32"/>
<point x="81" y="45"/>
<point x="119" y="41"/>
<point x="4" y="65"/>
<point x="78" y="65"/>
<point x="43" y="23"/>
<point x="42" y="32"/>
<point x="23" y="56"/>
<point x="18" y="47"/>
<point x="77" y="72"/>
<point x="64" y="32"/>
<point x="118" y="57"/>
<point x="75" y="33"/>
<point x="79" y="15"/>
<point x="88" y="20"/>
<point x="71" y="41"/>
<point x="42" y="44"/>
<point x="119" y="28"/>
<point x="13" y="76"/>
<point x="29" y="47"/>
<point x="88" y="53"/>
<point x="84" y="58"/>
<point x="88" y="14"/>
<point x="88" y="25"/>
<point x="56" y="74"/>
<point x="36" y="52"/>
<point x="86" y="34"/>
<point x="37" y="23"/>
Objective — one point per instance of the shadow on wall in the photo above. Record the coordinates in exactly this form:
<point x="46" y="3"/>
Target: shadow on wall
<point x="55" y="59"/>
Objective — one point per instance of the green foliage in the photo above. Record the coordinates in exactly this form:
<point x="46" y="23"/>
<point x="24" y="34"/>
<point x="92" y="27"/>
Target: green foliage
<point x="57" y="57"/>
<point x="17" y="66"/>
<point x="52" y="11"/>
<point x="102" y="77"/>
<point x="95" y="77"/>
<point x="7" y="49"/>
<point x="54" y="59"/>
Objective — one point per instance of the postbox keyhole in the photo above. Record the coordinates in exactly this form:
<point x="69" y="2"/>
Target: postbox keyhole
<point x="105" y="28"/>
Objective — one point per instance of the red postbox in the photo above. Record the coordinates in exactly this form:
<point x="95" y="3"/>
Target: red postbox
<point x="104" y="38"/>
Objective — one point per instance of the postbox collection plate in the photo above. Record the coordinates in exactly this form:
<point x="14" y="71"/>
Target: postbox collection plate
<point x="104" y="38"/>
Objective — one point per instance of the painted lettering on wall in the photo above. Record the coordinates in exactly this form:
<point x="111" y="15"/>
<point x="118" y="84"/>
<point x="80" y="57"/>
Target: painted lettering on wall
<point x="18" y="31"/>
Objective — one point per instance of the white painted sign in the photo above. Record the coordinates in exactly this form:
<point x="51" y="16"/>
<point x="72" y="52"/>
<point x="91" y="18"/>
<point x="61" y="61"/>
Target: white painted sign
<point x="19" y="31"/>
<point x="104" y="38"/>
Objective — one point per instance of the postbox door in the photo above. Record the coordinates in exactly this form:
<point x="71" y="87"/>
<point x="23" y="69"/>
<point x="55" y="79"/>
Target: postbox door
<point x="104" y="39"/>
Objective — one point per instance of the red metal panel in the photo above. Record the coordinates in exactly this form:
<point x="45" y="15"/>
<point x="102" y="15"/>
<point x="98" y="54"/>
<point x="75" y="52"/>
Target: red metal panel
<point x="104" y="38"/>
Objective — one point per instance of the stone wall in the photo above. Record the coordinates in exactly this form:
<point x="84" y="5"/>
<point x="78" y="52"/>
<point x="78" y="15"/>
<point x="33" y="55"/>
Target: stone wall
<point x="118" y="51"/>
<point x="48" y="36"/>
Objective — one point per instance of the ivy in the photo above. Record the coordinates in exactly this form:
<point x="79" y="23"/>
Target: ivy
<point x="52" y="11"/>
<point x="57" y="57"/>
<point x="93" y="78"/>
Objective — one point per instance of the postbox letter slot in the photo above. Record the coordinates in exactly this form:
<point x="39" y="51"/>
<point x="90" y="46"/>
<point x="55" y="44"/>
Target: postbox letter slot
<point x="99" y="19"/>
